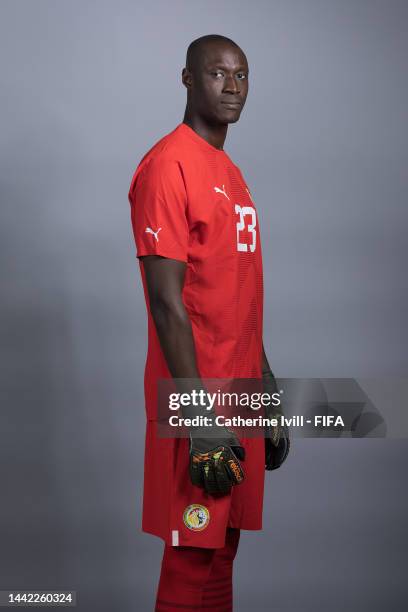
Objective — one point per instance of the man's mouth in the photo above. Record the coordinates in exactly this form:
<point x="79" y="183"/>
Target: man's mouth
<point x="231" y="104"/>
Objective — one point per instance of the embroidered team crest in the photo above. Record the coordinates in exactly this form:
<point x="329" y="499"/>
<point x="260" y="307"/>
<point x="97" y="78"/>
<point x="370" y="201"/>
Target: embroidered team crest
<point x="196" y="517"/>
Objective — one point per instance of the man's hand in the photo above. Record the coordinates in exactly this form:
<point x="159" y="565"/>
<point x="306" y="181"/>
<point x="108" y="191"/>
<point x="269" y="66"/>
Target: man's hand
<point x="214" y="461"/>
<point x="277" y="441"/>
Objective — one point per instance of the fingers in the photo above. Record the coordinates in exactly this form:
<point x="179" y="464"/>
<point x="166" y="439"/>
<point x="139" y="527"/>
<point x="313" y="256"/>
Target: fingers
<point x="216" y="472"/>
<point x="223" y="479"/>
<point x="216" y="477"/>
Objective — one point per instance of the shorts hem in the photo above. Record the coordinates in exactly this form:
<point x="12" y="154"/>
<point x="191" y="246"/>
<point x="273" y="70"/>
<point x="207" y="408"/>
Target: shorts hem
<point x="168" y="540"/>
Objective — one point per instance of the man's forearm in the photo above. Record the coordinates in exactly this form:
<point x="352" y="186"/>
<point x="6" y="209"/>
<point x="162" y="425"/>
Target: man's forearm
<point x="176" y="339"/>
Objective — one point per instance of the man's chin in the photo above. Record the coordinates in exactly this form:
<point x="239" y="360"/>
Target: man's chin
<point x="225" y="119"/>
<point x="231" y="118"/>
<point x="234" y="120"/>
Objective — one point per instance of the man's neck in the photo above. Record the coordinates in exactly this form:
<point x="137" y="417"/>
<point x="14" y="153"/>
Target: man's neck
<point x="214" y="134"/>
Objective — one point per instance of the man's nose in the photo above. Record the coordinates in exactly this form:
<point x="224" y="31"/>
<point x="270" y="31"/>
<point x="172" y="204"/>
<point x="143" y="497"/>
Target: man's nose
<point x="231" y="84"/>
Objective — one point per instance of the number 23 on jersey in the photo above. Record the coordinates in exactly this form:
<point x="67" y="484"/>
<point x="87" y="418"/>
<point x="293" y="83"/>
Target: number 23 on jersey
<point x="247" y="220"/>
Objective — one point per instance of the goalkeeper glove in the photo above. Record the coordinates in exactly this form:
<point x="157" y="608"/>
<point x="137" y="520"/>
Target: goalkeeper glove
<point x="214" y="459"/>
<point x="215" y="451"/>
<point x="277" y="441"/>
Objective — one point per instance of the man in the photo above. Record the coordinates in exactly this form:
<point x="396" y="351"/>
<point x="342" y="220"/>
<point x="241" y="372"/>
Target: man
<point x="197" y="237"/>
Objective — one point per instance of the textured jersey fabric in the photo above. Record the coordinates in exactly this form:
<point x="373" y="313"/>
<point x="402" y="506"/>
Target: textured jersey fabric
<point x="190" y="202"/>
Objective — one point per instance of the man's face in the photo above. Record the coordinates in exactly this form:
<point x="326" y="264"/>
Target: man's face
<point x="219" y="85"/>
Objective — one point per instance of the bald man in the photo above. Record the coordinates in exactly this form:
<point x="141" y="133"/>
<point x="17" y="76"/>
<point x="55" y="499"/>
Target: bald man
<point x="197" y="238"/>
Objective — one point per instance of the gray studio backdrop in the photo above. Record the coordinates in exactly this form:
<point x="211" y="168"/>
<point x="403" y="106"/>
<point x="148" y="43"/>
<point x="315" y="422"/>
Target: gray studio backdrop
<point x="86" y="88"/>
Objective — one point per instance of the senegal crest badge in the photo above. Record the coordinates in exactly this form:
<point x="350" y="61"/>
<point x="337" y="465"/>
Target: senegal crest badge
<point x="196" y="517"/>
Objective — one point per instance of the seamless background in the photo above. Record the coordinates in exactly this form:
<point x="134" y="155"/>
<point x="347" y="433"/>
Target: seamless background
<point x="86" y="88"/>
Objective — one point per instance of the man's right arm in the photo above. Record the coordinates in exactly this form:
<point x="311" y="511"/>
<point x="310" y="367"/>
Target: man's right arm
<point x="165" y="281"/>
<point x="214" y="461"/>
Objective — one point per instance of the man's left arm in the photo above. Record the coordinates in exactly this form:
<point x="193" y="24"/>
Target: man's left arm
<point x="276" y="438"/>
<point x="269" y="386"/>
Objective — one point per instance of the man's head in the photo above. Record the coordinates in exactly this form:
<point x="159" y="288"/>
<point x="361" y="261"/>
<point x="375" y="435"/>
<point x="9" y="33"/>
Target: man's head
<point x="216" y="78"/>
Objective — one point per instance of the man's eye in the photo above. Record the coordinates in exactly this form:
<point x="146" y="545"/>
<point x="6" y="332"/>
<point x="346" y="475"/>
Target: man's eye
<point x="241" y="75"/>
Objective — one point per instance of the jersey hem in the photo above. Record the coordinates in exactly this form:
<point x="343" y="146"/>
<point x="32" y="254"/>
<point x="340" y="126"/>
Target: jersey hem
<point x="163" y="253"/>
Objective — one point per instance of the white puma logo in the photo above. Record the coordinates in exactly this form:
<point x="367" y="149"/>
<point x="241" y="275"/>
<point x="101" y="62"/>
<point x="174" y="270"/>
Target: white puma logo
<point x="218" y="190"/>
<point x="155" y="234"/>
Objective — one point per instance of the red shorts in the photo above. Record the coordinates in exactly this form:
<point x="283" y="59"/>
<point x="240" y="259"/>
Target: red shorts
<point x="185" y="515"/>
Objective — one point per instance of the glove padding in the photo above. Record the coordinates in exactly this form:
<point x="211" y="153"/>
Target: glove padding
<point x="217" y="469"/>
<point x="277" y="441"/>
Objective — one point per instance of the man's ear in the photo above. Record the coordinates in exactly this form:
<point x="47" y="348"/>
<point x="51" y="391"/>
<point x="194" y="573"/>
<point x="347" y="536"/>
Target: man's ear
<point x="186" y="78"/>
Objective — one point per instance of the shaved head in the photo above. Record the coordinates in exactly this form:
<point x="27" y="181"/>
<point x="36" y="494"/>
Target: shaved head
<point x="196" y="49"/>
<point x="216" y="78"/>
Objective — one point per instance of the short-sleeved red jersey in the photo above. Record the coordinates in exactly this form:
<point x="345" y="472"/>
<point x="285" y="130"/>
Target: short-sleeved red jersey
<point x="190" y="202"/>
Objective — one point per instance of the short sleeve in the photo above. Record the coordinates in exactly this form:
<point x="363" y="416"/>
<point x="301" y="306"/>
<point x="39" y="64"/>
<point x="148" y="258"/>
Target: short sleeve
<point x="158" y="210"/>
